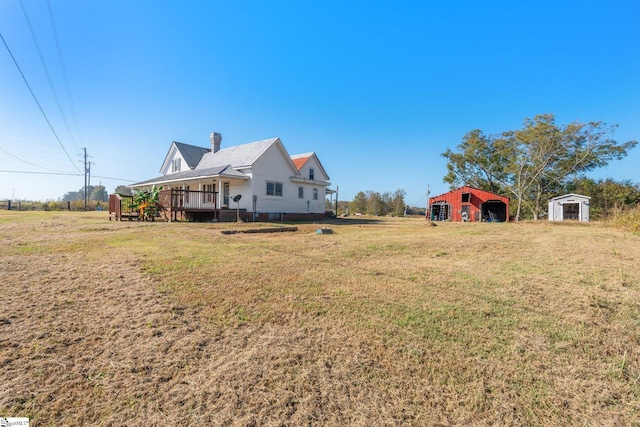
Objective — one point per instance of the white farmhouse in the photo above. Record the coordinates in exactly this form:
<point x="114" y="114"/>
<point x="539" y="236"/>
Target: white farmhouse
<point x="258" y="181"/>
<point x="569" y="207"/>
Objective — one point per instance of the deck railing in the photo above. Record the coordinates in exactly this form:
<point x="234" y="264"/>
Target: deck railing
<point x="121" y="206"/>
<point x="189" y="200"/>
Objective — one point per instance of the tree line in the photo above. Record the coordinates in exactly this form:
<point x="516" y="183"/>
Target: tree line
<point x="379" y="204"/>
<point x="608" y="196"/>
<point x="538" y="162"/>
<point x="97" y="193"/>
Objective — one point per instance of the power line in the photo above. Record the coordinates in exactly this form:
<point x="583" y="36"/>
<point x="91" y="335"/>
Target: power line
<point x="67" y="174"/>
<point x="26" y="161"/>
<point x="38" y="103"/>
<point x="64" y="73"/>
<point x="115" y="179"/>
<point x="46" y="71"/>
<point x="43" y="173"/>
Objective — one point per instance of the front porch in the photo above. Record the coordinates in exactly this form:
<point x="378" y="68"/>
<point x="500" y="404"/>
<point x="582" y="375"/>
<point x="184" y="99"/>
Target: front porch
<point x="178" y="205"/>
<point x="199" y="206"/>
<point x="196" y="205"/>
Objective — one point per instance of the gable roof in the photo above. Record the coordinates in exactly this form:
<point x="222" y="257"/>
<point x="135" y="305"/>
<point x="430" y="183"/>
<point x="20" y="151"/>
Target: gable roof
<point x="467" y="188"/>
<point x="192" y="154"/>
<point x="566" y="196"/>
<point x="300" y="159"/>
<point x="238" y="156"/>
<point x="227" y="162"/>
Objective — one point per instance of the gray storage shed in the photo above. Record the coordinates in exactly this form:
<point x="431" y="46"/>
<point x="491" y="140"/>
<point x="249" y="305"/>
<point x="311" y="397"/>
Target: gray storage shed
<point x="569" y="207"/>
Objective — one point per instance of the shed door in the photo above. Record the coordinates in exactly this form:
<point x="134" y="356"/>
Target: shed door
<point x="571" y="211"/>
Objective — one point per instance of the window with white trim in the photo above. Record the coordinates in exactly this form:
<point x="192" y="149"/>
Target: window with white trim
<point x="225" y="194"/>
<point x="300" y="192"/>
<point x="175" y="165"/>
<point x="274" y="188"/>
<point x="311" y="173"/>
<point x="315" y="194"/>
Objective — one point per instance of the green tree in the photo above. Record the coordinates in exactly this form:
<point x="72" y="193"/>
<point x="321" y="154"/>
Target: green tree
<point x="359" y="203"/>
<point x="71" y="196"/>
<point x="397" y="204"/>
<point x="554" y="154"/>
<point x="99" y="194"/>
<point x="375" y="204"/>
<point x="532" y="163"/>
<point x="379" y="204"/>
<point x="481" y="161"/>
<point x="606" y="195"/>
<point x="123" y="190"/>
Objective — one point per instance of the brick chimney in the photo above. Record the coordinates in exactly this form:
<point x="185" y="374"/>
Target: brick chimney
<point x="216" y="140"/>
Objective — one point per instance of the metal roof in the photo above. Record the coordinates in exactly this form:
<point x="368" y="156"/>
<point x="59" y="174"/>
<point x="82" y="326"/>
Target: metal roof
<point x="191" y="154"/>
<point x="238" y="156"/>
<point x="566" y="196"/>
<point x="300" y="159"/>
<point x="226" y="170"/>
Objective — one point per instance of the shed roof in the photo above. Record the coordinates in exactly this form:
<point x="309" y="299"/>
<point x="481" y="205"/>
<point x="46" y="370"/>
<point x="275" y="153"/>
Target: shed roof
<point x="566" y="196"/>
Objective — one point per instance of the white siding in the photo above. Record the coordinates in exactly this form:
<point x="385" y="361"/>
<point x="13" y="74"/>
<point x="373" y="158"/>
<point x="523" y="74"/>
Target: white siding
<point x="274" y="166"/>
<point x="169" y="165"/>
<point x="318" y="175"/>
<point x="242" y="188"/>
<point x="557" y="204"/>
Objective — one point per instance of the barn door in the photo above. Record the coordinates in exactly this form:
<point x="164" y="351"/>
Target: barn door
<point x="465" y="213"/>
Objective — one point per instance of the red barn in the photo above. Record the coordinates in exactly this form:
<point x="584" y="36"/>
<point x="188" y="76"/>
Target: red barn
<point x="469" y="204"/>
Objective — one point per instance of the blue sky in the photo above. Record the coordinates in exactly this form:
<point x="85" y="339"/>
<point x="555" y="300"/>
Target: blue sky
<point x="377" y="89"/>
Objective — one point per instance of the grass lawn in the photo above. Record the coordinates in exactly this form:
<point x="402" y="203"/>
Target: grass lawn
<point x="383" y="322"/>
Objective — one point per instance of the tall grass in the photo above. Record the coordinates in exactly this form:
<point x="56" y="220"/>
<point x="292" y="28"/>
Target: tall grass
<point x="626" y="218"/>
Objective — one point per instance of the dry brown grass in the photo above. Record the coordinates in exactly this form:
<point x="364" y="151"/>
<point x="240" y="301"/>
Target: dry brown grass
<point x="385" y="322"/>
<point x="626" y="218"/>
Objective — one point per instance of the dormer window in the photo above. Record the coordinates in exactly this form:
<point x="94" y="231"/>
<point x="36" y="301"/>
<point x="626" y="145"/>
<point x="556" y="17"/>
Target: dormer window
<point x="175" y="165"/>
<point x="311" y="173"/>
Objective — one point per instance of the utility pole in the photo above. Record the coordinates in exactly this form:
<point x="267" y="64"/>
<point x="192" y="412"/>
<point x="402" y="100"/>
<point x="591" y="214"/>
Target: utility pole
<point x="428" y="214"/>
<point x="85" y="179"/>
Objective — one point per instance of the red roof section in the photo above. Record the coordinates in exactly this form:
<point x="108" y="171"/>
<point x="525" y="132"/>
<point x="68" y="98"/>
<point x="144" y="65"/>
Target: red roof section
<point x="300" y="161"/>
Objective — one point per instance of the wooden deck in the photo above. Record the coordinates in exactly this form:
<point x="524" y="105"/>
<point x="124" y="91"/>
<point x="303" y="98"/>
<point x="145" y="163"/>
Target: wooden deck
<point x="177" y="205"/>
<point x="122" y="207"/>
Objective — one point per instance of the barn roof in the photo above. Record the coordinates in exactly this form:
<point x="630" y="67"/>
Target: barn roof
<point x="469" y="189"/>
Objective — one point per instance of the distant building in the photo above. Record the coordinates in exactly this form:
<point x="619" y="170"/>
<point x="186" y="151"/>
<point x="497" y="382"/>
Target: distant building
<point x="570" y="207"/>
<point x="469" y="204"/>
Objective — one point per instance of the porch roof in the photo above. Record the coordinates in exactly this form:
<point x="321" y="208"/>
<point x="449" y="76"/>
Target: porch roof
<point x="217" y="171"/>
